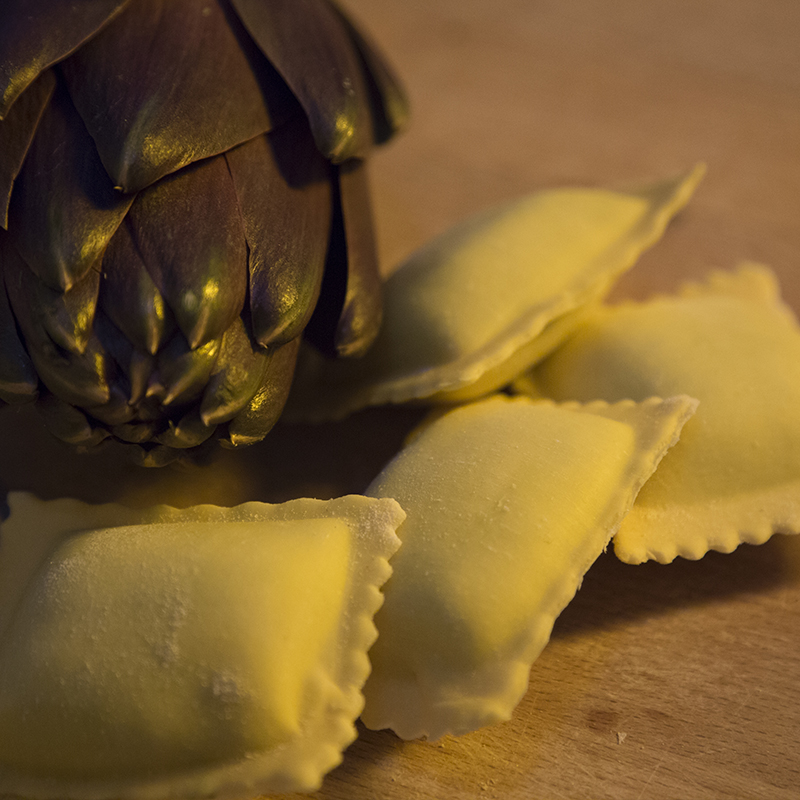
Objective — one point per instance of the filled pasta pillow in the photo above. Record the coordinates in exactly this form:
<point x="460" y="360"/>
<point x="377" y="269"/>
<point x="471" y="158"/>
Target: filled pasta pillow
<point x="731" y="343"/>
<point x="508" y="504"/>
<point x="492" y="296"/>
<point x="197" y="652"/>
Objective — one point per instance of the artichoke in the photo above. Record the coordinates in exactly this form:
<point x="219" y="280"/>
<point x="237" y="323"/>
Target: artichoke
<point x="182" y="197"/>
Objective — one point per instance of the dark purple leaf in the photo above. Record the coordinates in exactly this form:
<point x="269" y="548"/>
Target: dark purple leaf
<point x="189" y="431"/>
<point x="140" y="371"/>
<point x="389" y="102"/>
<point x="64" y="208"/>
<point x="80" y="379"/>
<point x="159" y="456"/>
<point x="134" y="432"/>
<point x="18" y="381"/>
<point x="16" y="135"/>
<point x="283" y="186"/>
<point x="188" y="231"/>
<point x="35" y="34"/>
<point x="253" y="423"/>
<point x="129" y="296"/>
<point x="65" y="317"/>
<point x="237" y="376"/>
<point x="348" y="314"/>
<point x="362" y="311"/>
<point x="68" y="423"/>
<point x="182" y="372"/>
<point x="170" y="82"/>
<point x="310" y="47"/>
<point x="116" y="410"/>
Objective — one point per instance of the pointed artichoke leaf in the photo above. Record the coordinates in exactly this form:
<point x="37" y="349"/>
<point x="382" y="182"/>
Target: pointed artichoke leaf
<point x="81" y="379"/>
<point x="158" y="456"/>
<point x="236" y="377"/>
<point x="140" y="371"/>
<point x="253" y="423"/>
<point x="389" y="104"/>
<point x="283" y="186"/>
<point x="170" y="82"/>
<point x="310" y="47"/>
<point x="63" y="208"/>
<point x="18" y="380"/>
<point x="116" y="410"/>
<point x="362" y="310"/>
<point x="129" y="296"/>
<point x="68" y="423"/>
<point x="348" y="315"/>
<point x="181" y="371"/>
<point x="16" y="135"/>
<point x="134" y="432"/>
<point x="35" y="35"/>
<point x="65" y="317"/>
<point x="189" y="431"/>
<point x="189" y="233"/>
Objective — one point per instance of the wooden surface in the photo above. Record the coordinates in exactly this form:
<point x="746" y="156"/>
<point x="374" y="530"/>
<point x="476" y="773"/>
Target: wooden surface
<point x="660" y="681"/>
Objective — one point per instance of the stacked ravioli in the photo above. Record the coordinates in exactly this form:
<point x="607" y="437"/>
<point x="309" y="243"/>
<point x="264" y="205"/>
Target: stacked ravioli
<point x="213" y="651"/>
<point x="509" y="502"/>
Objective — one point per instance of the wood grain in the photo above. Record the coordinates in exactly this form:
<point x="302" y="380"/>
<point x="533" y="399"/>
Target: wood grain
<point x="660" y="681"/>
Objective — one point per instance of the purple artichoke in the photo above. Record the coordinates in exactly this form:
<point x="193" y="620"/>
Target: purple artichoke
<point x="182" y="197"/>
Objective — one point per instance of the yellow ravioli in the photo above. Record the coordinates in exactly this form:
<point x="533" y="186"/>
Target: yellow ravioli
<point x="480" y="304"/>
<point x="731" y="343"/>
<point x="171" y="653"/>
<point x="508" y="504"/>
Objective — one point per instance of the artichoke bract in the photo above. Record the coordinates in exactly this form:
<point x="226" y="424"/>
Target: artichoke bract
<point x="182" y="197"/>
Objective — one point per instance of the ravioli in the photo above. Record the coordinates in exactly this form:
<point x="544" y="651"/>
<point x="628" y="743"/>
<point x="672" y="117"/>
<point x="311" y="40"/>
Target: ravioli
<point x="735" y="475"/>
<point x="508" y="504"/>
<point x="492" y="296"/>
<point x="178" y="653"/>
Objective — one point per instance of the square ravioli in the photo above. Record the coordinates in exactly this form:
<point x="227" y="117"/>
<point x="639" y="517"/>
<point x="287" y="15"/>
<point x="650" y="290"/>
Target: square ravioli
<point x="731" y="343"/>
<point x="185" y="653"/>
<point x="492" y="296"/>
<point x="508" y="503"/>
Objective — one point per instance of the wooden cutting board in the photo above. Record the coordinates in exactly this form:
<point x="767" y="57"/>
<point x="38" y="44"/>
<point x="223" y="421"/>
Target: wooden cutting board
<point x="660" y="681"/>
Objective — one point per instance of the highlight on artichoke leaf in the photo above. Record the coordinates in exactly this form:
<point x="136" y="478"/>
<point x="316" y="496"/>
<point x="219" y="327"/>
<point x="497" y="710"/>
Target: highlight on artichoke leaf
<point x="182" y="197"/>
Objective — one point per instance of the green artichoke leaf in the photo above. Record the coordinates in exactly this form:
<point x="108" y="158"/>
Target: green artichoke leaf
<point x="80" y="378"/>
<point x="189" y="233"/>
<point x="66" y="317"/>
<point x="158" y="456"/>
<point x="16" y="135"/>
<point x="255" y="421"/>
<point x="130" y="297"/>
<point x="182" y="371"/>
<point x="236" y="377"/>
<point x="135" y="432"/>
<point x="153" y="105"/>
<point x="284" y="191"/>
<point x="18" y="380"/>
<point x="347" y="322"/>
<point x="362" y="311"/>
<point x="35" y="34"/>
<point x="189" y="431"/>
<point x="63" y="208"/>
<point x="68" y="423"/>
<point x="310" y="47"/>
<point x="389" y="103"/>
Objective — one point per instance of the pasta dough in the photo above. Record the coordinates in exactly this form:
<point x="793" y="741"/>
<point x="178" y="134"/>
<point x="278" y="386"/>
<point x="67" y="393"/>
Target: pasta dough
<point x="167" y="653"/>
<point x="480" y="304"/>
<point x="735" y="475"/>
<point x="509" y="502"/>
